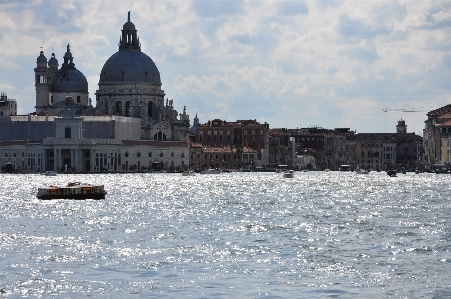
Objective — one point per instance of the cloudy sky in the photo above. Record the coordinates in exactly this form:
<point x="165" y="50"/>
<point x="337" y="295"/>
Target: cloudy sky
<point x="289" y="63"/>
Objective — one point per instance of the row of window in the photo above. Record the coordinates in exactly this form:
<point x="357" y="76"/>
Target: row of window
<point x="138" y="154"/>
<point x="78" y="99"/>
<point x="246" y="157"/>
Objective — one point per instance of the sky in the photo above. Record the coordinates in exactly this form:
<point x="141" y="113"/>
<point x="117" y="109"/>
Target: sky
<point x="292" y="64"/>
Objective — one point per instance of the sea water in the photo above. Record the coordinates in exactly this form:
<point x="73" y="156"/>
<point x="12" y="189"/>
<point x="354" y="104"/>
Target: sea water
<point x="230" y="235"/>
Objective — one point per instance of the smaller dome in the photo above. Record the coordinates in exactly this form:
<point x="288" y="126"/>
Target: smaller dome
<point x="53" y="60"/>
<point x="68" y="55"/>
<point x="129" y="26"/>
<point x="69" y="80"/>
<point x="41" y="58"/>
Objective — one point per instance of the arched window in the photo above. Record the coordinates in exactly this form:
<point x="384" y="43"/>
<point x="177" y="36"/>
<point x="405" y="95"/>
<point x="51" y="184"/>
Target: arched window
<point x="159" y="136"/>
<point x="119" y="107"/>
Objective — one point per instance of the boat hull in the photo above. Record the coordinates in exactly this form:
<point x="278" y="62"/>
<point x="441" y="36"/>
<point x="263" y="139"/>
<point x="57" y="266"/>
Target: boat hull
<point x="74" y="190"/>
<point x="72" y="196"/>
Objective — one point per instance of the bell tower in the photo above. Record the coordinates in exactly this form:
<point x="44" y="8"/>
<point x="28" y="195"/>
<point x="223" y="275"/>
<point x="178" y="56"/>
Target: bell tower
<point x="401" y="128"/>
<point x="42" y="83"/>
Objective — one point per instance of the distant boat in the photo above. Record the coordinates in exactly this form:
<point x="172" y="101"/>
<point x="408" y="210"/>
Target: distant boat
<point x="361" y="171"/>
<point x="391" y="173"/>
<point x="211" y="171"/>
<point x="50" y="173"/>
<point x="74" y="190"/>
<point x="188" y="173"/>
<point x="345" y="168"/>
<point x="288" y="174"/>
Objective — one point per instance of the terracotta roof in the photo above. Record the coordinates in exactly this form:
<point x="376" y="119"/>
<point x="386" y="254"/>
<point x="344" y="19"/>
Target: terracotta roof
<point x="247" y="149"/>
<point x="440" y="111"/>
<point x="225" y="149"/>
<point x="238" y="123"/>
<point x="445" y="123"/>
<point x="228" y="149"/>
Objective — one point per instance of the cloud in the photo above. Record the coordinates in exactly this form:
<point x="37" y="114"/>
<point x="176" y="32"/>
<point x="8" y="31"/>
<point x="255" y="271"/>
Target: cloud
<point x="284" y="62"/>
<point x="211" y="9"/>
<point x="357" y="28"/>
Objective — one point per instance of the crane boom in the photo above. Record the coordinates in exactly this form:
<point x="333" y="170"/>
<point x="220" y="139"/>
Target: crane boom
<point x="404" y="110"/>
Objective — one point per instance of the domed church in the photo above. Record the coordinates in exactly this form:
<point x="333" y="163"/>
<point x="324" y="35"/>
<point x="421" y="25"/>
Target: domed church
<point x="130" y="86"/>
<point x="132" y="127"/>
<point x="53" y="85"/>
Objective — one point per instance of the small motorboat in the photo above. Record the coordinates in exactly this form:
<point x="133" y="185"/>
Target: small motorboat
<point x="211" y="171"/>
<point x="74" y="190"/>
<point x="361" y="171"/>
<point x="391" y="173"/>
<point x="50" y="173"/>
<point x="288" y="174"/>
<point x="188" y="173"/>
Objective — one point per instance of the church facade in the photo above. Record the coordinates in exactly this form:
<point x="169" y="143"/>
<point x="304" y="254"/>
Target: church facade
<point x="131" y="128"/>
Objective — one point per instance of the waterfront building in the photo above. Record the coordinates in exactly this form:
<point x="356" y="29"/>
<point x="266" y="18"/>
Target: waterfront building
<point x="223" y="157"/>
<point x="53" y="85"/>
<point x="437" y="130"/>
<point x="306" y="140"/>
<point x="130" y="129"/>
<point x="234" y="145"/>
<point x="8" y="107"/>
<point x="375" y="151"/>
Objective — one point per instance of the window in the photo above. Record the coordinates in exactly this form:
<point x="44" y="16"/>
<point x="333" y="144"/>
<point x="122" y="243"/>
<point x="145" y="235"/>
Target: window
<point x="159" y="136"/>
<point x="78" y="99"/>
<point x="67" y="132"/>
<point x="150" y="109"/>
<point x="119" y="107"/>
<point x="150" y="154"/>
<point x="127" y="108"/>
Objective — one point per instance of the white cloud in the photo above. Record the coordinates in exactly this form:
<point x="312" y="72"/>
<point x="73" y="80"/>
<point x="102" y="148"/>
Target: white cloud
<point x="284" y="62"/>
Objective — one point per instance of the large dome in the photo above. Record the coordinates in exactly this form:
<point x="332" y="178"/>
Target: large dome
<point x="130" y="66"/>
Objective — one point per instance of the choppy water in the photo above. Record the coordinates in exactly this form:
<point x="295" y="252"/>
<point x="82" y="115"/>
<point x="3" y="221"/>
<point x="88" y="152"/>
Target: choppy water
<point x="238" y="235"/>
